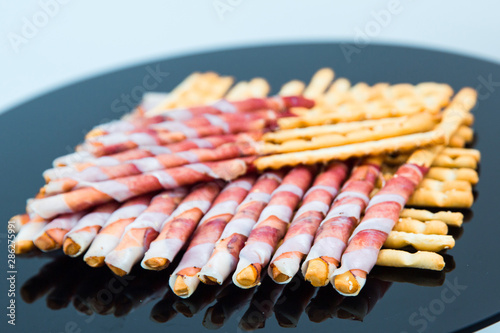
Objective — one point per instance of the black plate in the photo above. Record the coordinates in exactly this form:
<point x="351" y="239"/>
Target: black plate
<point x="33" y="134"/>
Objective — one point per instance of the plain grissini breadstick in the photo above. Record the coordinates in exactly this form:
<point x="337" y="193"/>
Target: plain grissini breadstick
<point x="148" y="164"/>
<point x="24" y="239"/>
<point x="122" y="189"/>
<point x="451" y="198"/>
<point x="421" y="242"/>
<point x="51" y="237"/>
<point x="432" y="227"/>
<point x="176" y="230"/>
<point x="332" y="235"/>
<point x="259" y="87"/>
<point x="79" y="238"/>
<point x="340" y="128"/>
<point x="227" y="249"/>
<point x="446" y="161"/>
<point x="139" y="234"/>
<point x="420" y="259"/>
<point x="271" y="227"/>
<point x="384" y="208"/>
<point x="319" y="82"/>
<point x="184" y="280"/>
<point x="294" y="87"/>
<point x="458" y="152"/>
<point x="401" y="143"/>
<point x="462" y="137"/>
<point x="446" y="174"/>
<point x="448" y="217"/>
<point x="444" y="186"/>
<point x="421" y="123"/>
<point x="300" y="235"/>
<point x="109" y="235"/>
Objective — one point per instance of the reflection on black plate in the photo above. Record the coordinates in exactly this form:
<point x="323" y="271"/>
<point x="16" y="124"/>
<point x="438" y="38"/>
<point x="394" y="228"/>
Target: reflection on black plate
<point x="463" y="298"/>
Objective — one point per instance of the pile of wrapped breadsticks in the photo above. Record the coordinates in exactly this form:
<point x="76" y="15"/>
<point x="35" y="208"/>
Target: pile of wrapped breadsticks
<point x="238" y="184"/>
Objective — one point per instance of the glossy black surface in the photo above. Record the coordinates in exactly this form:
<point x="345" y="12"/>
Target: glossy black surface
<point x="33" y="134"/>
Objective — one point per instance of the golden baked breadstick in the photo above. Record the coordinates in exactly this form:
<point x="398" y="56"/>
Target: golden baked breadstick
<point x="404" y="142"/>
<point x="433" y="227"/>
<point x="450" y="218"/>
<point x="294" y="87"/>
<point x="446" y="161"/>
<point x="259" y="87"/>
<point x="446" y="174"/>
<point x="444" y="186"/>
<point x="451" y="199"/>
<point x="239" y="91"/>
<point x="319" y="82"/>
<point x="420" y="259"/>
<point x="421" y="123"/>
<point x="458" y="152"/>
<point x="421" y="242"/>
<point x="315" y="131"/>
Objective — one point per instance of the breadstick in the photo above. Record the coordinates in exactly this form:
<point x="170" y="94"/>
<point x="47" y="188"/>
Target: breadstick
<point x="446" y="161"/>
<point x="421" y="242"/>
<point x="404" y="142"/>
<point x="451" y="198"/>
<point x="458" y="152"/>
<point x="422" y="123"/>
<point x="294" y="87"/>
<point x="314" y="131"/>
<point x="258" y="87"/>
<point x="446" y="174"/>
<point x="445" y="186"/>
<point x="420" y="259"/>
<point x="433" y="227"/>
<point x="319" y="82"/>
<point x="450" y="218"/>
<point x="240" y="91"/>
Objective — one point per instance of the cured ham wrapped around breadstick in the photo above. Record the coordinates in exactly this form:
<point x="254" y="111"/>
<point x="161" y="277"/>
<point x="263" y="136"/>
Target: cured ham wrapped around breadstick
<point x="121" y="189"/>
<point x="220" y="107"/>
<point x="66" y="166"/>
<point x="367" y="239"/>
<point x="332" y="236"/>
<point x="19" y="221"/>
<point x="177" y="229"/>
<point x="171" y="132"/>
<point x="24" y="239"/>
<point x="140" y="233"/>
<point x="83" y="233"/>
<point x="51" y="237"/>
<point x="111" y="232"/>
<point x="300" y="235"/>
<point x="225" y="255"/>
<point x="271" y="227"/>
<point x="149" y="164"/>
<point x="184" y="280"/>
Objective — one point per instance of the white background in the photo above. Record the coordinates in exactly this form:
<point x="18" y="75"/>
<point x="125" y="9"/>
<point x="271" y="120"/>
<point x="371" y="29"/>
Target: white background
<point x="84" y="38"/>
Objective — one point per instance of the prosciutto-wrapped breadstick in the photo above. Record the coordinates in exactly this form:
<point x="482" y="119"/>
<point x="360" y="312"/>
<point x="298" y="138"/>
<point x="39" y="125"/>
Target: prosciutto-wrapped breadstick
<point x="83" y="233"/>
<point x="51" y="237"/>
<point x="19" y="221"/>
<point x="65" y="168"/>
<point x="271" y="227"/>
<point x="225" y="255"/>
<point x="171" y="132"/>
<point x="121" y="189"/>
<point x="381" y="214"/>
<point x="149" y="164"/>
<point x="299" y="237"/>
<point x="177" y="229"/>
<point x="24" y="239"/>
<point x="384" y="208"/>
<point x="332" y="236"/>
<point x="184" y="280"/>
<point x="139" y="234"/>
<point x="111" y="232"/>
